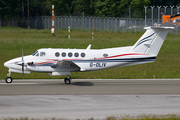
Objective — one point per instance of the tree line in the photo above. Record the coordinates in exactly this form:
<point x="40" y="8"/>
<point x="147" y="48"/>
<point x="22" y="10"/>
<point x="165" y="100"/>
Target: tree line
<point x="101" y="8"/>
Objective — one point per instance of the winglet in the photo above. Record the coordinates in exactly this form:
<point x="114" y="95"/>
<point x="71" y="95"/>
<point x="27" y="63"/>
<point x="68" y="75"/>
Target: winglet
<point x="89" y="47"/>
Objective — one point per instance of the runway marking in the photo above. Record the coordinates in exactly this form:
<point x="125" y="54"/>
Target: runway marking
<point x="18" y="83"/>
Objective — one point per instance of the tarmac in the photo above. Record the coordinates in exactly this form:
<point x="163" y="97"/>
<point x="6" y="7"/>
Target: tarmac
<point x="86" y="98"/>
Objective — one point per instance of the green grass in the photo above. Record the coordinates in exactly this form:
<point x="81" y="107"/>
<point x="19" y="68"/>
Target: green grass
<point x="13" y="40"/>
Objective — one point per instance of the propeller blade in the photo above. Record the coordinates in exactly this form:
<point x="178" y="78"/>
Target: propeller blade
<point x="22" y="56"/>
<point x="23" y="69"/>
<point x="22" y="63"/>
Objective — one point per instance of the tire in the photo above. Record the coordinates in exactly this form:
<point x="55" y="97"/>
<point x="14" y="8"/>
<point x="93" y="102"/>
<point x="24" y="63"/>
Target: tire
<point x="67" y="81"/>
<point x="9" y="80"/>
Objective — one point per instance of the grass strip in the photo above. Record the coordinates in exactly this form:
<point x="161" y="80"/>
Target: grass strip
<point x="14" y="39"/>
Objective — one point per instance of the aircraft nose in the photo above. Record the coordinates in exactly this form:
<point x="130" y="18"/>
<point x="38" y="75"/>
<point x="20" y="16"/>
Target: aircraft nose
<point x="6" y="64"/>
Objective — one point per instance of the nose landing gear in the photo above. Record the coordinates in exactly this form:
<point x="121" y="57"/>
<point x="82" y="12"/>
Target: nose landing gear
<point x="9" y="79"/>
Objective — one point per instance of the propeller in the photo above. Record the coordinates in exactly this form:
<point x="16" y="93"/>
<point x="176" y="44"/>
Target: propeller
<point x="22" y="63"/>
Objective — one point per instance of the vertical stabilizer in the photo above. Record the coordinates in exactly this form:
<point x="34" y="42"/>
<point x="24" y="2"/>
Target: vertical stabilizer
<point x="151" y="41"/>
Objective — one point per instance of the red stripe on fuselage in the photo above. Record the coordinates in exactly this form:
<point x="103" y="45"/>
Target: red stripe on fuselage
<point x="110" y="56"/>
<point x="122" y="55"/>
<point x="45" y="62"/>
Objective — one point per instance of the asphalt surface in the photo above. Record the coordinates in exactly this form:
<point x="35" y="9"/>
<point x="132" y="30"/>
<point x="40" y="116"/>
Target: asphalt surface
<point x="91" y="87"/>
<point x="83" y="99"/>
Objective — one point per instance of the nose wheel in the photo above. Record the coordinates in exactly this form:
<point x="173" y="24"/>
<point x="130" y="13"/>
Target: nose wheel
<point x="9" y="80"/>
<point x="67" y="80"/>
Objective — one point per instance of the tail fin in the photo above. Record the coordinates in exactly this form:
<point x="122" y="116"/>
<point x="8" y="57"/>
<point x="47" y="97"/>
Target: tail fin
<point x="151" y="41"/>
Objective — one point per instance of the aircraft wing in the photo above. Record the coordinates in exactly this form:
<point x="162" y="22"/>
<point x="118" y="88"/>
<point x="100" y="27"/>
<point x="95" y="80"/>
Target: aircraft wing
<point x="66" y="65"/>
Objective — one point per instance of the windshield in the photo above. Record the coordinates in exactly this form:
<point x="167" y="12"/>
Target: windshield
<point x="34" y="53"/>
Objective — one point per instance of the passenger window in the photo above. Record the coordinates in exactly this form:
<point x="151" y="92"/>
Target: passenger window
<point x="83" y="54"/>
<point x="63" y="54"/>
<point x="42" y="54"/>
<point x="57" y="54"/>
<point x="70" y="54"/>
<point x="76" y="54"/>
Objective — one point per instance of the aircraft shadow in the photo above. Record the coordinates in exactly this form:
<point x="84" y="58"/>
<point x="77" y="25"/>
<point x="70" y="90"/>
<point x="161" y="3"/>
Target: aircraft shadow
<point x="83" y="83"/>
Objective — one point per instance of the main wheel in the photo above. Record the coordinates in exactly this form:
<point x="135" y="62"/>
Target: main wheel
<point x="9" y="80"/>
<point x="67" y="81"/>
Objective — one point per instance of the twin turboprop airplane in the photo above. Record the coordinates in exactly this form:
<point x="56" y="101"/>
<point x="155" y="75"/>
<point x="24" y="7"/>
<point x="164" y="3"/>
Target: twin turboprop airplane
<point x="65" y="61"/>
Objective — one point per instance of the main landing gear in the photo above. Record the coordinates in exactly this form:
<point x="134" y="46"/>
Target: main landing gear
<point x="67" y="80"/>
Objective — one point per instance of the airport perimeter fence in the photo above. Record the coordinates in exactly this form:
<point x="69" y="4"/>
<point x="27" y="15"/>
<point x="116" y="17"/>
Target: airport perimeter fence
<point x="86" y="23"/>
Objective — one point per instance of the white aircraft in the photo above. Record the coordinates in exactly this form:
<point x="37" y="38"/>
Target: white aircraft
<point x="65" y="61"/>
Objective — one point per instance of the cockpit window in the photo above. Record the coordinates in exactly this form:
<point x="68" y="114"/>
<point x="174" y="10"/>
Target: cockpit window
<point x="42" y="54"/>
<point x="34" y="53"/>
<point x="37" y="54"/>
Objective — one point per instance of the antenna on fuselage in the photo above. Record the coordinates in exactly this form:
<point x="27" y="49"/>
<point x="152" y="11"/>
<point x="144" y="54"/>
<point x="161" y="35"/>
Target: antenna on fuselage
<point x="89" y="47"/>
